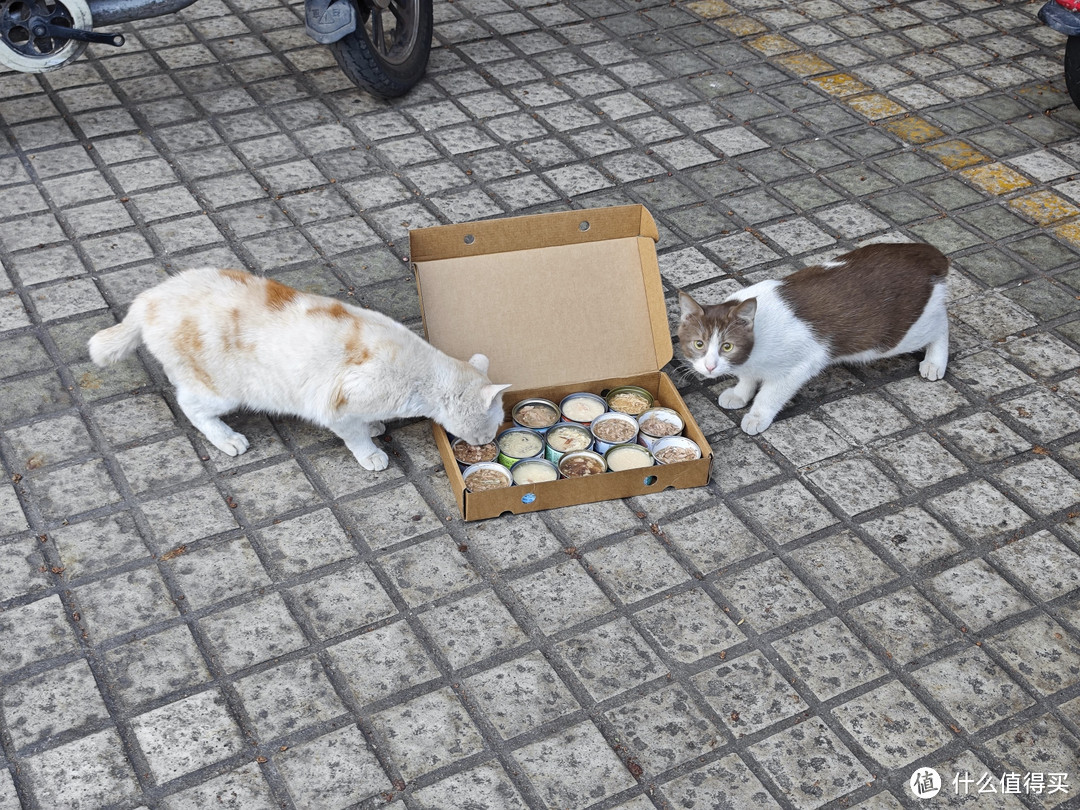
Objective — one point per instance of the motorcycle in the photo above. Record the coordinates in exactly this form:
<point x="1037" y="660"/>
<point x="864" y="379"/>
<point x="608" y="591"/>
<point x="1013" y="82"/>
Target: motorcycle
<point x="381" y="45"/>
<point x="1064" y="16"/>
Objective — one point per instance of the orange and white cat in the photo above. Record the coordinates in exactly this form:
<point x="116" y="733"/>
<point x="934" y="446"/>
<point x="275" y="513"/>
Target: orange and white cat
<point x="228" y="339"/>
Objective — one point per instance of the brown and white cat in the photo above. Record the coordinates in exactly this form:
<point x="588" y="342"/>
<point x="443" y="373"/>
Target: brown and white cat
<point x="228" y="339"/>
<point x="774" y="336"/>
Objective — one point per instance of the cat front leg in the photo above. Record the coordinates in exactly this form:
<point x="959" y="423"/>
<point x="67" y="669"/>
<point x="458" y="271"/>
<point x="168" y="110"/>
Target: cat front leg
<point x="937" y="356"/>
<point x="739" y="394"/>
<point x="357" y="433"/>
<point x="204" y="412"/>
<point x="770" y="400"/>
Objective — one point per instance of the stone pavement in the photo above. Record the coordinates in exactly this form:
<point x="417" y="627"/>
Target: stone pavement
<point x="887" y="580"/>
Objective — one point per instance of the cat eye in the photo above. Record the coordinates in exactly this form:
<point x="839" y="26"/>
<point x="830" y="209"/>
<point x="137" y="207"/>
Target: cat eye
<point x="699" y="344"/>
<point x="727" y="347"/>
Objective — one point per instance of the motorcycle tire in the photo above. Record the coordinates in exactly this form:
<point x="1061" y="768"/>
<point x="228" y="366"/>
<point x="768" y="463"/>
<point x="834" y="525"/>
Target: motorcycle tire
<point x="387" y="60"/>
<point x="1072" y="69"/>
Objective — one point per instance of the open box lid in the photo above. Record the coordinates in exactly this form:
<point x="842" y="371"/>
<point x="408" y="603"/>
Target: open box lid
<point x="551" y="299"/>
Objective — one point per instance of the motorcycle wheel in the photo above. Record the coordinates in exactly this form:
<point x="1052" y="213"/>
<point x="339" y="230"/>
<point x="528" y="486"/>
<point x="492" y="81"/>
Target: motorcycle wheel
<point x="1072" y="69"/>
<point x="388" y="52"/>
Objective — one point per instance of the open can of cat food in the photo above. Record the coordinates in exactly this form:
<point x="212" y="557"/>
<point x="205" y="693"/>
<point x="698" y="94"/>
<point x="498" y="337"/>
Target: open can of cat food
<point x="628" y="457"/>
<point x="629" y="399"/>
<point x="581" y="463"/>
<point x="582" y="407"/>
<point x="517" y="443"/>
<point x="673" y="449"/>
<point x="486" y="475"/>
<point x="469" y="454"/>
<point x="535" y="414"/>
<point x="534" y="471"/>
<point x="613" y="428"/>
<point x="566" y="437"/>
<point x="658" y="423"/>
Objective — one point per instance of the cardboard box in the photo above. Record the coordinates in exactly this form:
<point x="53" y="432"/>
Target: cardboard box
<point x="560" y="303"/>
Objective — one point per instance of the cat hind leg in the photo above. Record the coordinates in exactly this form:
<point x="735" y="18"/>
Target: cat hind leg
<point x="204" y="412"/>
<point x="738" y="395"/>
<point x="937" y="351"/>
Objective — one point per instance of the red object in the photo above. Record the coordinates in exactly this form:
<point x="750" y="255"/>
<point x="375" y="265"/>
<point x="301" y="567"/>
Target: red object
<point x="1071" y="5"/>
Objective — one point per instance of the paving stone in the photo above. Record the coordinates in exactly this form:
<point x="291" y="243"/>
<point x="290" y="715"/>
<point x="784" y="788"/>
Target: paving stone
<point x="829" y="658"/>
<point x="1043" y="483"/>
<point x="913" y="537"/>
<point x="843" y="566"/>
<point x="472" y="629"/>
<point x="768" y="595"/>
<point x="561" y="596"/>
<point x="690" y="626"/>
<point x="985" y="438"/>
<point x="892" y="725"/>
<point x="664" y="729"/>
<point x="241" y="788"/>
<point x="573" y="768"/>
<point x="217" y="571"/>
<point x="856" y="485"/>
<point x="748" y="694"/>
<point x="726" y="783"/>
<point x="52" y="703"/>
<point x="1042" y="653"/>
<point x="636" y="568"/>
<point x="521" y="695"/>
<point x="429" y="570"/>
<point x="974" y="690"/>
<point x="288" y="698"/>
<point x="334" y="770"/>
<point x="485" y="787"/>
<point x="189" y="734"/>
<point x="785" y="756"/>
<point x="252" y="633"/>
<point x="611" y="659"/>
<point x="154" y="666"/>
<point x="382" y="662"/>
<point x="905" y="624"/>
<point x="787" y="511"/>
<point x="90" y="770"/>
<point x="978" y="510"/>
<point x="125" y="602"/>
<point x="427" y="732"/>
<point x="1042" y="563"/>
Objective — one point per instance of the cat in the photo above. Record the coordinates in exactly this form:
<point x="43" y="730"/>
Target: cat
<point x="229" y="339"/>
<point x="877" y="301"/>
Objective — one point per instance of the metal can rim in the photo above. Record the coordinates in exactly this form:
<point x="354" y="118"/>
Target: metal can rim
<point x="535" y="401"/>
<point x="587" y="453"/>
<point x="526" y="461"/>
<point x="487" y="465"/>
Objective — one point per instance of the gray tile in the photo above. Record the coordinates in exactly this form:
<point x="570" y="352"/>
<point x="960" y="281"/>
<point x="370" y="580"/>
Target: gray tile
<point x="725" y="784"/>
<point x="241" y="788"/>
<point x="342" y="601"/>
<point x="171" y="750"/>
<point x="427" y="733"/>
<point x="252" y="633"/>
<point x="288" y="698"/>
<point x="769" y="595"/>
<point x="336" y="769"/>
<point x="561" y="596"/>
<point x="905" y="625"/>
<point x="485" y="787"/>
<point x="155" y="666"/>
<point x="521" y="695"/>
<point x="52" y="703"/>
<point x="382" y="662"/>
<point x="610" y="659"/>
<point x="91" y="770"/>
<point x="892" y="725"/>
<point x="748" y="694"/>
<point x="977" y="594"/>
<point x="664" y="729"/>
<point x="689" y="626"/>
<point x="472" y="629"/>
<point x="829" y="658"/>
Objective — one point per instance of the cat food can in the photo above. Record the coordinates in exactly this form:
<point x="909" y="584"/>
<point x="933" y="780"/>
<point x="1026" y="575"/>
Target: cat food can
<point x="581" y="463"/>
<point x="566" y="437"/>
<point x="582" y="407"/>
<point x="658" y="423"/>
<point x="628" y="457"/>
<point x="469" y="454"/>
<point x="613" y="428"/>
<point x="517" y="443"/>
<point x="486" y="475"/>
<point x="534" y="471"/>
<point x="629" y="399"/>
<point x="535" y="414"/>
<point x="673" y="449"/>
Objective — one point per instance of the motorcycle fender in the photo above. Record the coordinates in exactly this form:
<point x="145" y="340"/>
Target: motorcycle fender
<point x="1060" y="18"/>
<point x="328" y="21"/>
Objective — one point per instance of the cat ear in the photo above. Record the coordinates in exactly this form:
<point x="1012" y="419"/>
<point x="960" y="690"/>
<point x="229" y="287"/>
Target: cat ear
<point x="489" y="392"/>
<point x="689" y="307"/>
<point x="479" y="362"/>
<point x="746" y="310"/>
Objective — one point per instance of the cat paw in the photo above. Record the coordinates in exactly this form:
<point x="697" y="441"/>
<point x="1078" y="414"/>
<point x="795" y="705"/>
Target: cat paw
<point x="376" y="429"/>
<point x="375" y="461"/>
<point x="730" y="400"/>
<point x="931" y="371"/>
<point x="234" y="444"/>
<point x="754" y="423"/>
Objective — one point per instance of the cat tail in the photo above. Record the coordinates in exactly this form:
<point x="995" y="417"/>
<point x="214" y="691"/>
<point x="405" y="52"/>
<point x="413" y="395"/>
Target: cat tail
<point x="117" y="342"/>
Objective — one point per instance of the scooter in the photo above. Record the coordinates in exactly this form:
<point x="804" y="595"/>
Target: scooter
<point x="381" y="45"/>
<point x="1064" y="16"/>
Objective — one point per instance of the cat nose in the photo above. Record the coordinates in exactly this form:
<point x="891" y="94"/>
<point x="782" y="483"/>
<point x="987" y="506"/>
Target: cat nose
<point x="710" y="366"/>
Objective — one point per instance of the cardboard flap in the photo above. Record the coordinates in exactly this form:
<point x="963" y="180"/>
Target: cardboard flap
<point x="551" y="298"/>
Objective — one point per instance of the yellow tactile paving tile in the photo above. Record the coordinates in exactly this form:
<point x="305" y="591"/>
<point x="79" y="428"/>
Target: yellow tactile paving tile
<point x="875" y="106"/>
<point x="711" y="8"/>
<point x="840" y="84"/>
<point x="996" y="178"/>
<point x="773" y="44"/>
<point x="1044" y="207"/>
<point x="914" y="130"/>
<point x="956" y="154"/>
<point x="804" y="64"/>
<point x="1070" y="232"/>
<point x="741" y="26"/>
